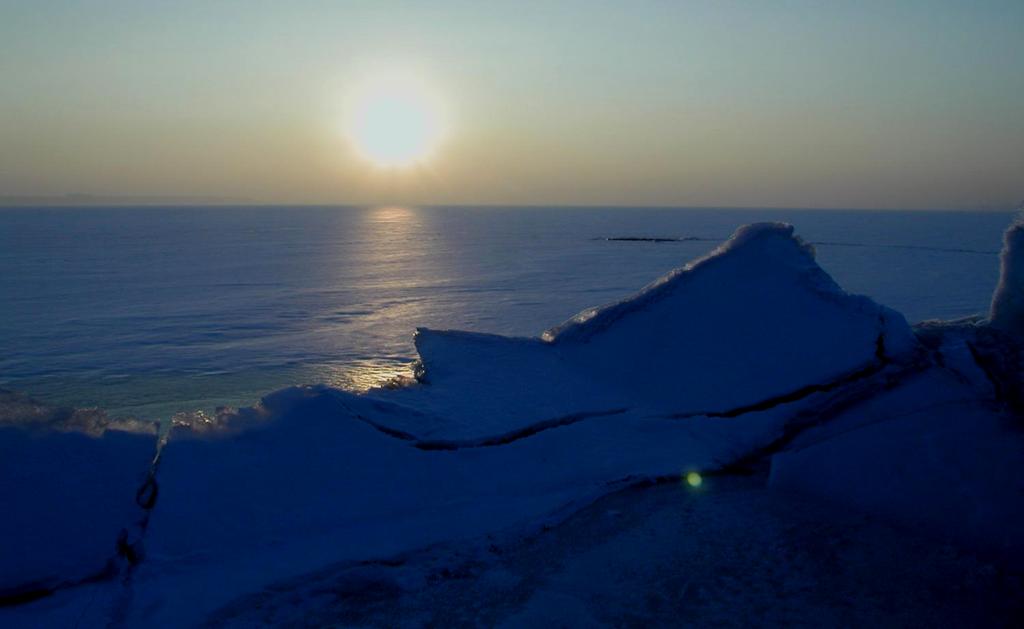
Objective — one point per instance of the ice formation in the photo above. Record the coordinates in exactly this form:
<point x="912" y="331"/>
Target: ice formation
<point x="67" y="497"/>
<point x="1008" y="301"/>
<point x="751" y="354"/>
<point x="754" y="320"/>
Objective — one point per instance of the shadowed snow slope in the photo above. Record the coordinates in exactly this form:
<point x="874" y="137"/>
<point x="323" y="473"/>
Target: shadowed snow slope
<point x="65" y="498"/>
<point x="1008" y="301"/>
<point x="929" y="454"/>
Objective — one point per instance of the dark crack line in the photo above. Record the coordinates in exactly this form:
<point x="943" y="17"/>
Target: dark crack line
<point x="516" y="435"/>
<point x="387" y="430"/>
<point x="881" y="420"/>
<point x="435" y="445"/>
<point x="809" y="418"/>
<point x="394" y="433"/>
<point x="983" y="364"/>
<point x="881" y="362"/>
<point x="132" y="551"/>
<point x="786" y="398"/>
<point x="26" y="593"/>
<point x="127" y="551"/>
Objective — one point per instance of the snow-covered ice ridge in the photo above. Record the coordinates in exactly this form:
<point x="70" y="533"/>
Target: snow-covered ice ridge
<point x="749" y="359"/>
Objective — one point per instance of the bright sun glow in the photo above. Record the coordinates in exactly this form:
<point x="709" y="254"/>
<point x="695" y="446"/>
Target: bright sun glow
<point x="395" y="122"/>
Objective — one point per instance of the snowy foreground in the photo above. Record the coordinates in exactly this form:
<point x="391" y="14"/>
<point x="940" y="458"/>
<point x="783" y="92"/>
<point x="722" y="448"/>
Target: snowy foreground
<point x="748" y="361"/>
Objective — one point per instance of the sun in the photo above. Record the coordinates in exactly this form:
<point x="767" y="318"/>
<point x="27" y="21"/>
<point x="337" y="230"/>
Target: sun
<point x="395" y="122"/>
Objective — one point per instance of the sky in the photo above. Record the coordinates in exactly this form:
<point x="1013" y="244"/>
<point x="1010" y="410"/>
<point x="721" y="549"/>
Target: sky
<point x="898" y="104"/>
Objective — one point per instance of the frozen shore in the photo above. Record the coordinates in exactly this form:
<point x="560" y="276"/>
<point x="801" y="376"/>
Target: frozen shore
<point x="727" y="554"/>
<point x="749" y="360"/>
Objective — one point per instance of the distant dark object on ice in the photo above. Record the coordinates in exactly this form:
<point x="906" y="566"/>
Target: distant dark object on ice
<point x="655" y="239"/>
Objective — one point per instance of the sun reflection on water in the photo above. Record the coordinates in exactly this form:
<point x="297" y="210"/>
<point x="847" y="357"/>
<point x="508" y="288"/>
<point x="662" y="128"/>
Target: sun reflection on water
<point x="361" y="376"/>
<point x="391" y="214"/>
<point x="399" y="272"/>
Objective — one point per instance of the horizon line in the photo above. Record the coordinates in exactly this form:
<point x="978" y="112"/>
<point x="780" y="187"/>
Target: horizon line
<point x="192" y="202"/>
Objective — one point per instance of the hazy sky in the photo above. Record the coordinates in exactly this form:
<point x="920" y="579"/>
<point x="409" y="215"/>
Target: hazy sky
<point x="768" y="103"/>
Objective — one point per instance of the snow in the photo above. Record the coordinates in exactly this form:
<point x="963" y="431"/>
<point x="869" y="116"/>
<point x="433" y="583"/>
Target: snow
<point x="66" y="497"/>
<point x="732" y="554"/>
<point x="940" y="452"/>
<point x="318" y="485"/>
<point x="727" y="359"/>
<point x="931" y="454"/>
<point x="755" y="319"/>
<point x="1007" y="312"/>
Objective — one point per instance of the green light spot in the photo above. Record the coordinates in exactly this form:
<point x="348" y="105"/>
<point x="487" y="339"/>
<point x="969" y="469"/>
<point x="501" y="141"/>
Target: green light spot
<point x="693" y="479"/>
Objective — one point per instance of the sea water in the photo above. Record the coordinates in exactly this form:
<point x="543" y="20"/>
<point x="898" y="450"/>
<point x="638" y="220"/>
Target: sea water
<point x="146" y="312"/>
